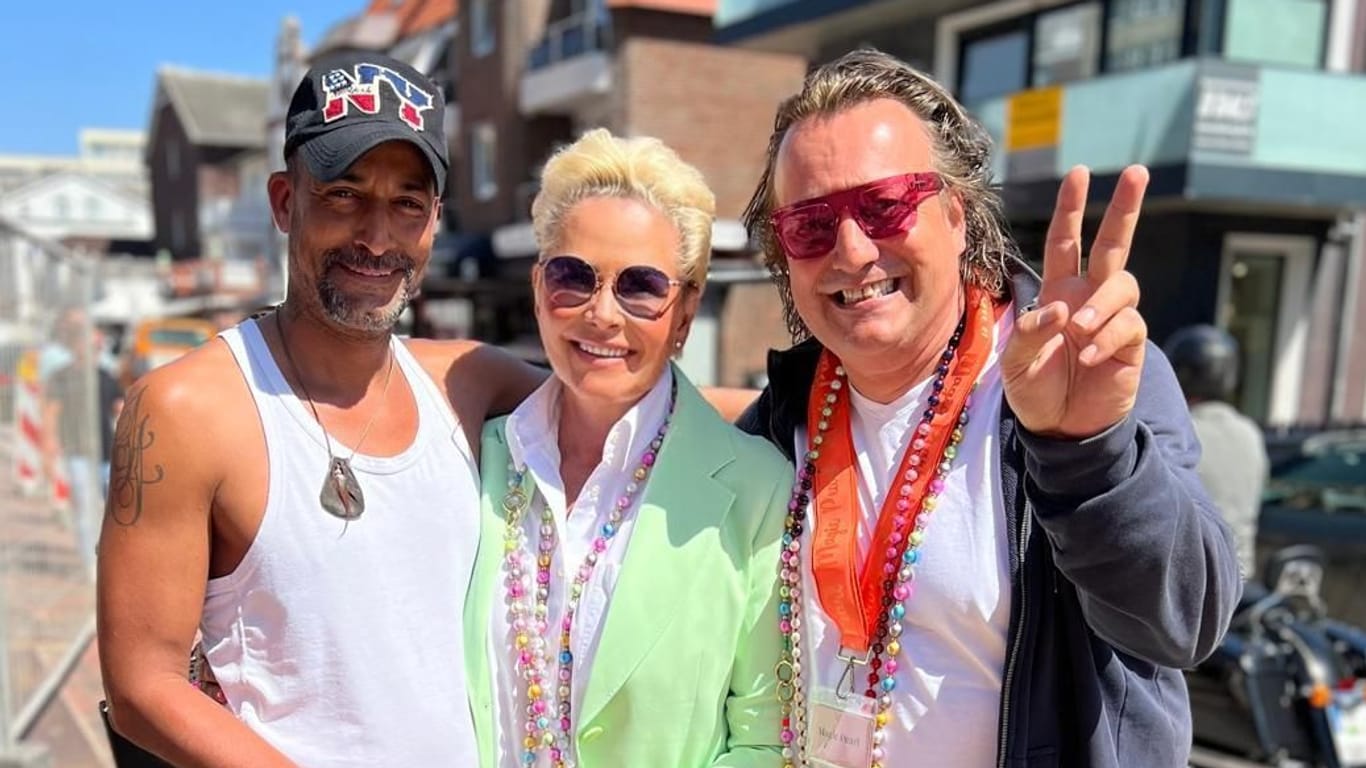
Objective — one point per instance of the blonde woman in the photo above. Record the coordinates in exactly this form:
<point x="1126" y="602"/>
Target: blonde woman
<point x="623" y="605"/>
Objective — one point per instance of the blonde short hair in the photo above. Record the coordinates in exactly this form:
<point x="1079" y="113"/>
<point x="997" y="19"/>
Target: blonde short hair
<point x="602" y="165"/>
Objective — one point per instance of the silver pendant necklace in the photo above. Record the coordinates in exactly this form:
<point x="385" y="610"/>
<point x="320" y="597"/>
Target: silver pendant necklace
<point x="341" y="495"/>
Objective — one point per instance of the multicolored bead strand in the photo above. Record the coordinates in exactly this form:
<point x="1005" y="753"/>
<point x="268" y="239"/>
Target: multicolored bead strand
<point x="547" y="728"/>
<point x="902" y="555"/>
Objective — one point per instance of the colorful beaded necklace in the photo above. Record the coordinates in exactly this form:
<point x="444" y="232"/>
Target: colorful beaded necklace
<point x="548" y="728"/>
<point x="901" y="556"/>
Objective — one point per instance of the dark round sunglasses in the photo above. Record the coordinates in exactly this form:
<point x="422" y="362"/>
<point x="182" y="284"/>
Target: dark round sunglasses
<point x="808" y="229"/>
<point x="641" y="291"/>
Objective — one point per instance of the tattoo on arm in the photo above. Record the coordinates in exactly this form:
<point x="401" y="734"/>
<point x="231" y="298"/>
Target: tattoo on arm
<point x="128" y="475"/>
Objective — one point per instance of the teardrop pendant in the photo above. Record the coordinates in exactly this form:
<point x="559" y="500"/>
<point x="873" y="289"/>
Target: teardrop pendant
<point x="341" y="495"/>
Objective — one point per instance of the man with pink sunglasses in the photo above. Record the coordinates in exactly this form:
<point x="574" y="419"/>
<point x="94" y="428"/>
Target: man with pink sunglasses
<point x="998" y="551"/>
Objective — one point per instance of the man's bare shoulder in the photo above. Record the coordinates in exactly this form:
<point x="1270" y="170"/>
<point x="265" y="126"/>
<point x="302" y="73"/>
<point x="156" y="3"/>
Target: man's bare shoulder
<point x="167" y="452"/>
<point x="438" y="355"/>
<point x="445" y="359"/>
<point x="195" y="387"/>
<point x="479" y="379"/>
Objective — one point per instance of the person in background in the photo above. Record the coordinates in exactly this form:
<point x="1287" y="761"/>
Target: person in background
<point x="81" y="439"/>
<point x="1233" y="459"/>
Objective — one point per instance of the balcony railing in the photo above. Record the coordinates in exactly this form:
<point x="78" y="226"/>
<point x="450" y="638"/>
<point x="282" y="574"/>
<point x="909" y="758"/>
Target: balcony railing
<point x="571" y="36"/>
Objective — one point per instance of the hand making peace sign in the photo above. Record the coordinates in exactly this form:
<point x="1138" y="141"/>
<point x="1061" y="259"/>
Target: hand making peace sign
<point x="1072" y="365"/>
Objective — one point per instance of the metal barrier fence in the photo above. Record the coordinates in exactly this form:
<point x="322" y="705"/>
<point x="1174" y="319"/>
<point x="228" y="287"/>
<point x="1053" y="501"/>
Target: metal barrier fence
<point x="54" y="415"/>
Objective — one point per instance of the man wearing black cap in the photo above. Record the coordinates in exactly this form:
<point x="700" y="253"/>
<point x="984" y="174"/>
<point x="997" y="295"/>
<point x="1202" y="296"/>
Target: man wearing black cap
<point x="302" y="490"/>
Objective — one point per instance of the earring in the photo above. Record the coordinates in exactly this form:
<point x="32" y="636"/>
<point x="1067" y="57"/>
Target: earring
<point x="678" y="345"/>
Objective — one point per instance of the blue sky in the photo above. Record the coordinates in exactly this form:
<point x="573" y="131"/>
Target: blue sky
<point x="92" y="63"/>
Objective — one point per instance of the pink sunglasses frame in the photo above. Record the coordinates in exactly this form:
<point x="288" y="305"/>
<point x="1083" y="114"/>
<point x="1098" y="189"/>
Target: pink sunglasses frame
<point x="920" y="186"/>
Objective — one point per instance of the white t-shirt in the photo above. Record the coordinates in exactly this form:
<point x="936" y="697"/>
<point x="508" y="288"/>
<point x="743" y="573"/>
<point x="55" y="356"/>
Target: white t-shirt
<point x="946" y="705"/>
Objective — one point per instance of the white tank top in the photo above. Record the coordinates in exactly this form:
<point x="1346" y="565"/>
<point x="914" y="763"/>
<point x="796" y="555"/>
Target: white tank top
<point x="344" y="647"/>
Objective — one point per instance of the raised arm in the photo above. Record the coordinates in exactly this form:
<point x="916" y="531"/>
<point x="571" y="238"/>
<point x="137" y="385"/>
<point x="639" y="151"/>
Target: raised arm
<point x="1132" y="528"/>
<point x="153" y="569"/>
<point x="1109" y="446"/>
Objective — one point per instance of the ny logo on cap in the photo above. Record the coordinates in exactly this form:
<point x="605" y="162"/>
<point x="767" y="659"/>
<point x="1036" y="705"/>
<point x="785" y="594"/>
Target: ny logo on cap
<point x="360" y="89"/>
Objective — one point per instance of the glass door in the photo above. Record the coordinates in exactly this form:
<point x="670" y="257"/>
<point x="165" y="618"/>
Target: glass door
<point x="1263" y="304"/>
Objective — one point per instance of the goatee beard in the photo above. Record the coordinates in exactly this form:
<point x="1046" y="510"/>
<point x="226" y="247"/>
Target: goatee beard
<point x="338" y="306"/>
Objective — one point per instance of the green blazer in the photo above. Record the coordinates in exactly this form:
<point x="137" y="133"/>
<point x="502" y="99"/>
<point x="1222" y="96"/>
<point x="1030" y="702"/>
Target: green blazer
<point x="683" y="675"/>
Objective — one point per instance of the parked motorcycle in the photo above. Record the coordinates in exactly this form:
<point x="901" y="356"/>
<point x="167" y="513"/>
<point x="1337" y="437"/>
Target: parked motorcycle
<point x="1288" y="685"/>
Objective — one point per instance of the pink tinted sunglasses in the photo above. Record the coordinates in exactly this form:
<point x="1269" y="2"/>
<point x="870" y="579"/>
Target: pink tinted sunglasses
<point x="808" y="229"/>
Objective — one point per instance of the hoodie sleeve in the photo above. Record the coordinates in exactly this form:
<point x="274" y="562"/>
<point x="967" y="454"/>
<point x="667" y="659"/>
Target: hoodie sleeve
<point x="1131" y="526"/>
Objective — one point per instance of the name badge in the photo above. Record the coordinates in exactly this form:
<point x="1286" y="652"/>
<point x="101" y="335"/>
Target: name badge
<point x="839" y="731"/>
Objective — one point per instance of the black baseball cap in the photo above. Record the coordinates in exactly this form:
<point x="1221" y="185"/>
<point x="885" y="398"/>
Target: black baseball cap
<point x="349" y="103"/>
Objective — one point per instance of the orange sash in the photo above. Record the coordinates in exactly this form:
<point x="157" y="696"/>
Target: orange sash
<point x="850" y="597"/>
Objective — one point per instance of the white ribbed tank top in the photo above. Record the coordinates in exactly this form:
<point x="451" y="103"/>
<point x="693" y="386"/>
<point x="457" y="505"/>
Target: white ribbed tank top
<point x="345" y="649"/>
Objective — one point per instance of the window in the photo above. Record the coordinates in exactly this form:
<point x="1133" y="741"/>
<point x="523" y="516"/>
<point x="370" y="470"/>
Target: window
<point x="451" y="120"/>
<point x="1276" y="31"/>
<point x="1264" y="288"/>
<point x="1143" y="33"/>
<point x="92" y="208"/>
<point x="483" y="162"/>
<point x="993" y="66"/>
<point x="1066" y="44"/>
<point x="1003" y="48"/>
<point x="1359" y="48"/>
<point x="177" y="231"/>
<point x="61" y="207"/>
<point x="173" y="159"/>
<point x="483" y="36"/>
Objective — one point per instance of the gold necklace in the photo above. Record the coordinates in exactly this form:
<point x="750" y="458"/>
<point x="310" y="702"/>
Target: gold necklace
<point x="341" y="494"/>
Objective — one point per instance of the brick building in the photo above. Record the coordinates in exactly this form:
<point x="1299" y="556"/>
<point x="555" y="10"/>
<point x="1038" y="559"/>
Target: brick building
<point x="205" y="141"/>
